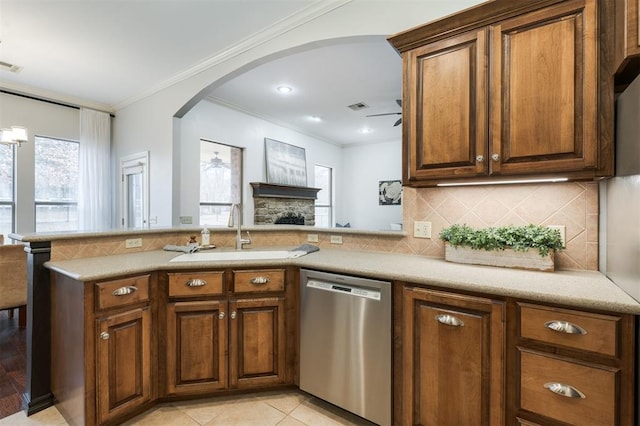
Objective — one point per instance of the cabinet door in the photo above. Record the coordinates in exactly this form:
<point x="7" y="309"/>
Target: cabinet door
<point x="257" y="342"/>
<point x="123" y="363"/>
<point x="452" y="352"/>
<point x="196" y="347"/>
<point x="445" y="107"/>
<point x="544" y="91"/>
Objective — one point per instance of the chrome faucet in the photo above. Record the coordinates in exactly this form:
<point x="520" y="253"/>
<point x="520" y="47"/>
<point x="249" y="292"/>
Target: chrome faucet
<point x="234" y="220"/>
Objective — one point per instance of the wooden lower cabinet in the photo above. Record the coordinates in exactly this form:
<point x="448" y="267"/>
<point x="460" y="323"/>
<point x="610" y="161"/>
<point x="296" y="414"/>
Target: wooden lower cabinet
<point x="452" y="359"/>
<point x="196" y="346"/>
<point x="257" y="342"/>
<point x="232" y="337"/>
<point x="123" y="363"/>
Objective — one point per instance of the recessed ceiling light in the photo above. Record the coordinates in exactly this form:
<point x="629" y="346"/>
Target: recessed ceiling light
<point x="366" y="131"/>
<point x="284" y="89"/>
<point x="315" y="118"/>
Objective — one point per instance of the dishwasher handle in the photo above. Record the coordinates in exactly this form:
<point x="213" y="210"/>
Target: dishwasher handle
<point x="345" y="289"/>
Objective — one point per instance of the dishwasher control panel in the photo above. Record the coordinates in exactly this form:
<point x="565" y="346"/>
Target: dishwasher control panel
<point x="369" y="293"/>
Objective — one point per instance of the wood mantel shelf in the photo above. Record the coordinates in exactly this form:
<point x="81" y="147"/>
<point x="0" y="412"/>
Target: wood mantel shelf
<point x="271" y="190"/>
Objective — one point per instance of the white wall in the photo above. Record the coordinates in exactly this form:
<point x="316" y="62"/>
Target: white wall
<point x="364" y="167"/>
<point x="220" y="124"/>
<point x="148" y="124"/>
<point x="41" y="119"/>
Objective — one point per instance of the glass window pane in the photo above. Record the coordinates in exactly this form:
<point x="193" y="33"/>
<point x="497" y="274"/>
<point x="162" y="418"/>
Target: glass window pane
<point x="54" y="218"/>
<point x="6" y="189"/>
<point x="323" y="216"/>
<point x="323" y="181"/>
<point x="56" y="168"/>
<point x="220" y="181"/>
<point x="56" y="184"/>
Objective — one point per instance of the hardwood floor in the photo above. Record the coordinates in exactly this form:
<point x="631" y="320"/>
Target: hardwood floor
<point x="12" y="363"/>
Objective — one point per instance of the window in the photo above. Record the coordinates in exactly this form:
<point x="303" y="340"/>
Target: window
<point x="323" y="206"/>
<point x="220" y="181"/>
<point x="7" y="162"/>
<point x="56" y="184"/>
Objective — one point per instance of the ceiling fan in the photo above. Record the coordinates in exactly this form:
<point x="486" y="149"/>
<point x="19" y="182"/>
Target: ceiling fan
<point x="215" y="163"/>
<point x="397" y="123"/>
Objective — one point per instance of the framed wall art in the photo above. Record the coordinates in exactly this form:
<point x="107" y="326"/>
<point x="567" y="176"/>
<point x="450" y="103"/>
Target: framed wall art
<point x="286" y="164"/>
<point x="390" y="192"/>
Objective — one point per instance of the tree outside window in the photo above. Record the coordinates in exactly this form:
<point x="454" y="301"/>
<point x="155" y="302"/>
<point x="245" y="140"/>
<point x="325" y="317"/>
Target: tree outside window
<point x="56" y="184"/>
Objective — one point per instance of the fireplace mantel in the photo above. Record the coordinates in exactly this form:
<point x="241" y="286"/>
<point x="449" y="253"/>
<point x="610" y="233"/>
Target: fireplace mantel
<point x="271" y="190"/>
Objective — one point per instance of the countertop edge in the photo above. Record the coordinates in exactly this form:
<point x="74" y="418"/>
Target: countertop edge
<point x="580" y="289"/>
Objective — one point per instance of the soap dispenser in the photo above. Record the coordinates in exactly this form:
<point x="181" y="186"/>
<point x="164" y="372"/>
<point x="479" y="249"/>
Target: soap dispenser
<point x="205" y="237"/>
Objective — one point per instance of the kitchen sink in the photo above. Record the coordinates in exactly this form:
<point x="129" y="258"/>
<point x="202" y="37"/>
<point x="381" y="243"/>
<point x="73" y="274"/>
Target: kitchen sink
<point x="212" y="256"/>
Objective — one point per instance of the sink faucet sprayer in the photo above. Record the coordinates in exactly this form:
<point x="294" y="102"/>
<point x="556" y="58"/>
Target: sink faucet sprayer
<point x="236" y="219"/>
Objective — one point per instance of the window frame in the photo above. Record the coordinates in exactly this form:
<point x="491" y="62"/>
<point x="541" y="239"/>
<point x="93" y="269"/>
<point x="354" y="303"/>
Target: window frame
<point x="329" y="206"/>
<point x="12" y="203"/>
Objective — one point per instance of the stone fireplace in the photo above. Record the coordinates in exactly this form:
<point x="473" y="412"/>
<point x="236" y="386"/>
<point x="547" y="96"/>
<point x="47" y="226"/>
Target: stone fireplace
<point x="283" y="204"/>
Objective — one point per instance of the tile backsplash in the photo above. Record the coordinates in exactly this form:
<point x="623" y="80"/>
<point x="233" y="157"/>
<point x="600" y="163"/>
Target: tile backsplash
<point x="574" y="205"/>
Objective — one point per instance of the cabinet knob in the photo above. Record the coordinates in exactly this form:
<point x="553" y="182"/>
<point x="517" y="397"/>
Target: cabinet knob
<point x="104" y="335"/>
<point x="221" y="315"/>
<point x="564" y="390"/>
<point x="196" y="282"/>
<point x="495" y="157"/>
<point x="259" y="280"/>
<point x="449" y="320"/>
<point x="233" y="315"/>
<point x="565" y="327"/>
<point x="123" y="291"/>
<point x="479" y="158"/>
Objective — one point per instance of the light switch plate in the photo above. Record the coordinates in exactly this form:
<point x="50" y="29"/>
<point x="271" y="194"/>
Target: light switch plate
<point x="422" y="229"/>
<point x="186" y="220"/>
<point x="312" y="238"/>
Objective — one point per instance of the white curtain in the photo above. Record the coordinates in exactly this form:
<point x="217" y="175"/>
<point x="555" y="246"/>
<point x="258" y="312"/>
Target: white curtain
<point x="94" y="198"/>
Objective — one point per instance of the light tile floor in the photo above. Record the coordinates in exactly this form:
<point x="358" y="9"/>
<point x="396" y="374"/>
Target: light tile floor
<point x="282" y="408"/>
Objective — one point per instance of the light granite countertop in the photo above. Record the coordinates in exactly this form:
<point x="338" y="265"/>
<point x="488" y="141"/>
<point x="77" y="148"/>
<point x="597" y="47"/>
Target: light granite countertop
<point x="584" y="289"/>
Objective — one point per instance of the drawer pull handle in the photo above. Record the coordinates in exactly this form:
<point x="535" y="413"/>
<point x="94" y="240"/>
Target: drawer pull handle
<point x="564" y="390"/>
<point x="565" y="327"/>
<point x="123" y="291"/>
<point x="104" y="335"/>
<point x="196" y="282"/>
<point x="449" y="320"/>
<point x="259" y="280"/>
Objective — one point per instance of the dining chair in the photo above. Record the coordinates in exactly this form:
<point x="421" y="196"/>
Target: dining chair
<point x="13" y="281"/>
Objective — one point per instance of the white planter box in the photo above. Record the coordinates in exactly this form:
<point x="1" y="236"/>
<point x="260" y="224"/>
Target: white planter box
<point x="508" y="258"/>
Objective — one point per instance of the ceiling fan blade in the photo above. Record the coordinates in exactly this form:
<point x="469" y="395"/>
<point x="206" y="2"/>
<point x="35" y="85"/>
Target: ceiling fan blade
<point x="398" y="122"/>
<point x="399" y="102"/>
<point x="386" y="113"/>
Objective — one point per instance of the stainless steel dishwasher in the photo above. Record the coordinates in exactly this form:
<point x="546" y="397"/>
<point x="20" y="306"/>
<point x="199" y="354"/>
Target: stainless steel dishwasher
<point x="345" y="342"/>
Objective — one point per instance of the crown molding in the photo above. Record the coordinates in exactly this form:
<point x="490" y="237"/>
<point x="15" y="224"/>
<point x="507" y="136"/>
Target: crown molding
<point x="315" y="10"/>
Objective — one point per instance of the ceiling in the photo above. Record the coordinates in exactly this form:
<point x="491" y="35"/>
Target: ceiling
<point x="106" y="54"/>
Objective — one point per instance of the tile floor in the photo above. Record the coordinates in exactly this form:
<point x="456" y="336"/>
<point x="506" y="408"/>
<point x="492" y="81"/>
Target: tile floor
<point x="282" y="408"/>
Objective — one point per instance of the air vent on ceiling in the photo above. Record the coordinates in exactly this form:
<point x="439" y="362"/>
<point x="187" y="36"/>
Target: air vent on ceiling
<point x="9" y="67"/>
<point x="358" y="106"/>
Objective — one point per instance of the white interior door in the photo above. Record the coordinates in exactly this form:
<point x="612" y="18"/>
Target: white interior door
<point x="135" y="190"/>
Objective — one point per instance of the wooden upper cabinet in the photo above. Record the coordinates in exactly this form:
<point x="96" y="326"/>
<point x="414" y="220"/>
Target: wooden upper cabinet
<point x="509" y="89"/>
<point x="627" y="60"/>
<point x="544" y="91"/>
<point x="445" y="91"/>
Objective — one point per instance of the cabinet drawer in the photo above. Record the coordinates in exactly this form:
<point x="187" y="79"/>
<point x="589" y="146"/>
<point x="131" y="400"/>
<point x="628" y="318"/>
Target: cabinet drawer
<point x="195" y="284"/>
<point x="593" y="403"/>
<point x="573" y="329"/>
<point x="258" y="280"/>
<point x="126" y="291"/>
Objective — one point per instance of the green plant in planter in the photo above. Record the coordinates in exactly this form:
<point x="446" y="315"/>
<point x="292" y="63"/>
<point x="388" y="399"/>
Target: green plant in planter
<point x="519" y="238"/>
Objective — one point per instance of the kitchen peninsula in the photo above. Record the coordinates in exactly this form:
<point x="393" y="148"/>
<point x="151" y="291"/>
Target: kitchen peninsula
<point x="509" y="302"/>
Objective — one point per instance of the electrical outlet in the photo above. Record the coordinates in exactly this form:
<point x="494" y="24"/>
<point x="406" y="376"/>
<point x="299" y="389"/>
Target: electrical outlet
<point x="336" y="239"/>
<point x="562" y="230"/>
<point x="186" y="220"/>
<point x="312" y="238"/>
<point x="133" y="242"/>
<point x="422" y="229"/>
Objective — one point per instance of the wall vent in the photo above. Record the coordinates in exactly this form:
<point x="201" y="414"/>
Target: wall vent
<point x="9" y="67"/>
<point x="358" y="106"/>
